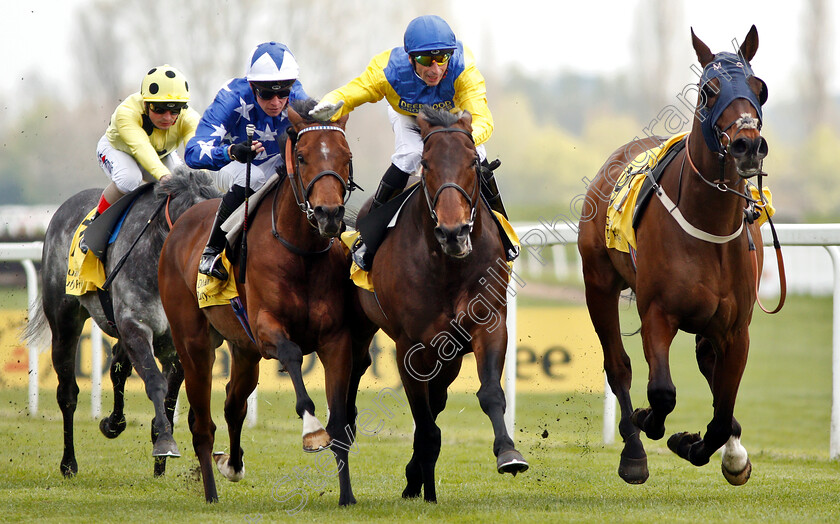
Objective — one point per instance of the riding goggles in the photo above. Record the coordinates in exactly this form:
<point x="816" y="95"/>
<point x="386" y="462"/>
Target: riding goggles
<point x="161" y="108"/>
<point x="268" y="94"/>
<point x="426" y="60"/>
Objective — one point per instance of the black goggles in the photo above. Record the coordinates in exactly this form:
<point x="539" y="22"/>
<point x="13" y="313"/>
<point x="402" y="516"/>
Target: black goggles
<point x="426" y="60"/>
<point x="161" y="108"/>
<point x="268" y="94"/>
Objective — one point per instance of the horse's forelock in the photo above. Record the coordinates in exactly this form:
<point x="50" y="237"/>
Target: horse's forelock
<point x="302" y="107"/>
<point x="439" y="117"/>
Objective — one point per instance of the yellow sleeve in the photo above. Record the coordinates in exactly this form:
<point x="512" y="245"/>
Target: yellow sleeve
<point x="188" y="123"/>
<point x="471" y="95"/>
<point x="370" y="86"/>
<point x="129" y="125"/>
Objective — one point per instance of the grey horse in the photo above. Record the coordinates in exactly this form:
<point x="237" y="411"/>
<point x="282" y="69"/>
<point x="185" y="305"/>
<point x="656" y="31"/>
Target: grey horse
<point x="140" y="325"/>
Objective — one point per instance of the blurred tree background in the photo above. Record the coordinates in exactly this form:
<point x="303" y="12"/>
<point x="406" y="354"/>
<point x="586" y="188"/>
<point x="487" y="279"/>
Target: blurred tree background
<point x="552" y="130"/>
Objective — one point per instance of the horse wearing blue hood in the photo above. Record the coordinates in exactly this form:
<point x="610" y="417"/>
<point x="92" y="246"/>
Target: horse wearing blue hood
<point x="694" y="269"/>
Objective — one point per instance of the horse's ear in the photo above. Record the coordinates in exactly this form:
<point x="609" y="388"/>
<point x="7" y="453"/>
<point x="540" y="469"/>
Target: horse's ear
<point x="294" y="117"/>
<point x="704" y="54"/>
<point x="466" y="119"/>
<point x="423" y="123"/>
<point x="750" y="45"/>
<point x="342" y="122"/>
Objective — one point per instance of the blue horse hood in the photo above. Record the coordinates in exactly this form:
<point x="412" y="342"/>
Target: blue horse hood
<point x="733" y="71"/>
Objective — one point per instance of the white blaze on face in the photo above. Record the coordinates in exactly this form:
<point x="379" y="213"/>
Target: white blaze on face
<point x="325" y="151"/>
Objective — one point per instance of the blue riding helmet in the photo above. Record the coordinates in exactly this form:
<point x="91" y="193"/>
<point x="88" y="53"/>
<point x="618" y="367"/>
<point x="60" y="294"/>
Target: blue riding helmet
<point x="428" y="33"/>
<point x="732" y="71"/>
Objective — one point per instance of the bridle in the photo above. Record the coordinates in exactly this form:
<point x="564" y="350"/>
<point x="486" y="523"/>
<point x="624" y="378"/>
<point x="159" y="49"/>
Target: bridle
<point x="472" y="200"/>
<point x="293" y="171"/>
<point x="301" y="193"/>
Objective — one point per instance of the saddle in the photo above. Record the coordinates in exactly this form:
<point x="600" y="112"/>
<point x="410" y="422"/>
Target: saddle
<point x="100" y="233"/>
<point x="646" y="191"/>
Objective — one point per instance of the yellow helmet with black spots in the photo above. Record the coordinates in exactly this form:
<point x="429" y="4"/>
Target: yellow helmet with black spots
<point x="165" y="84"/>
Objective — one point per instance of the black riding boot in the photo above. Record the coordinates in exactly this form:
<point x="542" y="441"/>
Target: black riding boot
<point x="489" y="188"/>
<point x="211" y="258"/>
<point x="392" y="184"/>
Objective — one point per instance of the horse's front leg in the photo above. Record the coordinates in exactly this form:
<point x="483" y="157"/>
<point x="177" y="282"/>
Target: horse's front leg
<point x="114" y="424"/>
<point x="244" y="374"/>
<point x="723" y="369"/>
<point x="137" y="342"/>
<point x="277" y="345"/>
<point x="658" y="330"/>
<point x="415" y="375"/>
<point x="489" y="349"/>
<point x="338" y="374"/>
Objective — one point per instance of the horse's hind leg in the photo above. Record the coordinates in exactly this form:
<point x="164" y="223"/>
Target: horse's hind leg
<point x="66" y="319"/>
<point x="114" y="424"/>
<point x="244" y="373"/>
<point x="735" y="462"/>
<point x="174" y="378"/>
<point x="603" y="288"/>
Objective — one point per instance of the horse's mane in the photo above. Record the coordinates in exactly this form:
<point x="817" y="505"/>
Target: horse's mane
<point x="439" y="117"/>
<point x="302" y="107"/>
<point x="186" y="187"/>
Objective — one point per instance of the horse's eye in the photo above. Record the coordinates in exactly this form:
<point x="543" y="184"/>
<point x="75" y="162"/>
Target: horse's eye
<point x="300" y="159"/>
<point x="708" y="95"/>
<point x="424" y="164"/>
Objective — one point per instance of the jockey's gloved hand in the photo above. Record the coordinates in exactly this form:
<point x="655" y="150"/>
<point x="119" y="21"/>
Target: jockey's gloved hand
<point x="241" y="152"/>
<point x="487" y="168"/>
<point x="324" y="111"/>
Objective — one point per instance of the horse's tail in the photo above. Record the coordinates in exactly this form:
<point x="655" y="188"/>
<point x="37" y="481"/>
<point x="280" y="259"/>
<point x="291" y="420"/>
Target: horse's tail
<point x="37" y="332"/>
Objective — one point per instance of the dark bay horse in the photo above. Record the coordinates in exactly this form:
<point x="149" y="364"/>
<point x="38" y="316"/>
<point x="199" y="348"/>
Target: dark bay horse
<point x="696" y="277"/>
<point x="440" y="287"/>
<point x="141" y="329"/>
<point x="295" y="294"/>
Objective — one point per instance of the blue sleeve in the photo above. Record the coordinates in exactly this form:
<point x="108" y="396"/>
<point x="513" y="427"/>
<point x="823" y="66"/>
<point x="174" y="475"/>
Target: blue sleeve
<point x="297" y="91"/>
<point x="208" y="148"/>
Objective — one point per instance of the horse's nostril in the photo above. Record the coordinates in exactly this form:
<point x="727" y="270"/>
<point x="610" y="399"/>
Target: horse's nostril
<point x="440" y="236"/>
<point x="763" y="148"/>
<point x="738" y="148"/>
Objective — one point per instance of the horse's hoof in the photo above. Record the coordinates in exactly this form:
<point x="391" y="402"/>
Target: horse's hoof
<point x="738" y="479"/>
<point x="680" y="443"/>
<point x="223" y="465"/>
<point x="316" y="441"/>
<point x="165" y="447"/>
<point x="410" y="492"/>
<point x="69" y="469"/>
<point x="347" y="501"/>
<point x="633" y="470"/>
<point x="111" y="430"/>
<point x="512" y="462"/>
<point x="640" y="419"/>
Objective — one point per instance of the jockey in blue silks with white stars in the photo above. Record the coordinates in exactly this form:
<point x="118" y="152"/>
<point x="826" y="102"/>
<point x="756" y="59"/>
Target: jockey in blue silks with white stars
<point x="219" y="144"/>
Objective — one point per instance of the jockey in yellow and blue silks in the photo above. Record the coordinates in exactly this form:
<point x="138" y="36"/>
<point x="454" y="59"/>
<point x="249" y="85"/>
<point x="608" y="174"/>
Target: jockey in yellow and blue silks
<point x="143" y="135"/>
<point x="219" y="144"/>
<point x="431" y="68"/>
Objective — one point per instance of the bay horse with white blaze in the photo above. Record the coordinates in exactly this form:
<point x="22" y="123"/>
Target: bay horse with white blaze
<point x="693" y="269"/>
<point x="295" y="295"/>
<point x="439" y="278"/>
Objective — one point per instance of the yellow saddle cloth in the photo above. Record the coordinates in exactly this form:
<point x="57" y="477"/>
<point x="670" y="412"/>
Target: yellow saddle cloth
<point x="85" y="272"/>
<point x="619" y="232"/>
<point x="214" y="292"/>
<point x="361" y="278"/>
